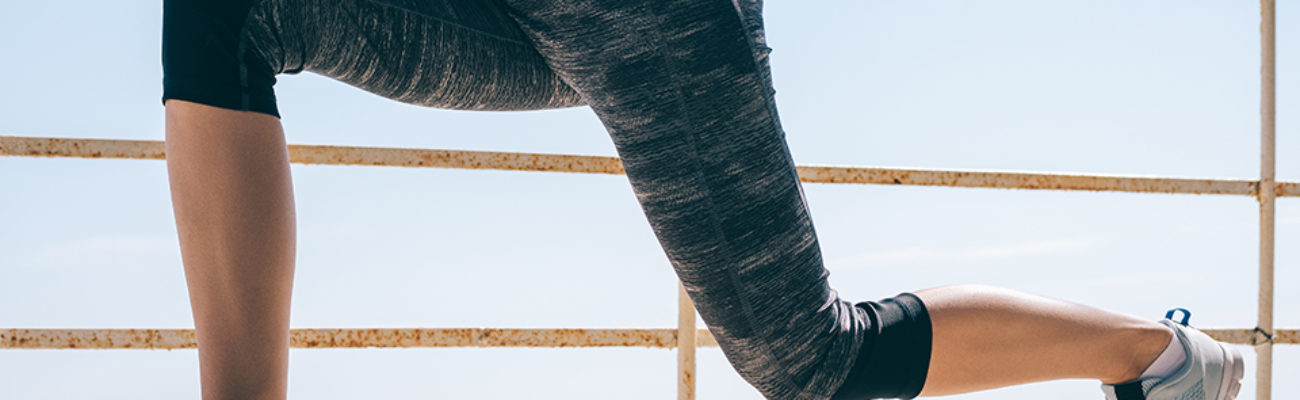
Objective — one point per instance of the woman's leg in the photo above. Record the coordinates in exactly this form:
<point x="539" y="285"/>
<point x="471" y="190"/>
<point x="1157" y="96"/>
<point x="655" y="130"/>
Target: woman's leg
<point x="682" y="88"/>
<point x="682" y="91"/>
<point x="226" y="153"/>
<point x="987" y="337"/>
<point x="233" y="199"/>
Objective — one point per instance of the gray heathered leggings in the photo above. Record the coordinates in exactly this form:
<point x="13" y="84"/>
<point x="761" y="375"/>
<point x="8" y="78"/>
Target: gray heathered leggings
<point x="684" y="90"/>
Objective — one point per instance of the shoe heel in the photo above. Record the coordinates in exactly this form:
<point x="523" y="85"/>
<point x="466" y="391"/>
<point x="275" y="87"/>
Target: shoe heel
<point x="1233" y="372"/>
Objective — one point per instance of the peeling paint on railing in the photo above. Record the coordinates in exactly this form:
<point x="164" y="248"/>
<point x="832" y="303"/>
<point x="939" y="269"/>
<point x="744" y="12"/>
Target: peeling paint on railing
<point x="355" y="338"/>
<point x="460" y="159"/>
<point x="453" y="337"/>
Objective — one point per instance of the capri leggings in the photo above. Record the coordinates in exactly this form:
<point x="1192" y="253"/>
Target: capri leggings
<point x="684" y="90"/>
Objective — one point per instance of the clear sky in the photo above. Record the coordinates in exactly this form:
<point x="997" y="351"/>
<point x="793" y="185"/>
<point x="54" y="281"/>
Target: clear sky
<point x="1135" y="87"/>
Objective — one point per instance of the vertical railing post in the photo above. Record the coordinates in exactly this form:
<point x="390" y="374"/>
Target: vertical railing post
<point x="685" y="345"/>
<point x="1267" y="196"/>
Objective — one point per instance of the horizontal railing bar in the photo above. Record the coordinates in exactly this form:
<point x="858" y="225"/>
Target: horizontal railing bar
<point x="1025" y="180"/>
<point x="1253" y="336"/>
<point x="354" y="338"/>
<point x="461" y="159"/>
<point x="455" y="337"/>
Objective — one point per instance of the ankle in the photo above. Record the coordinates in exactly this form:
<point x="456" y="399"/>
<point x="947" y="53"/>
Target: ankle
<point x="1139" y="347"/>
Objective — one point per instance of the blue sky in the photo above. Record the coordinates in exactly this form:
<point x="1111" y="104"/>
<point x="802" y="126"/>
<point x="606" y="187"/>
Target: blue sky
<point x="1147" y="87"/>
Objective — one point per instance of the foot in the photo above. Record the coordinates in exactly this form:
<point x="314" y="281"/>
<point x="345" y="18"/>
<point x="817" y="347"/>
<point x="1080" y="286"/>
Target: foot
<point x="1212" y="371"/>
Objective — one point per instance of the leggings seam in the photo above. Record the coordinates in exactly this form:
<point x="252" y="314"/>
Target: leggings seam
<point x="240" y="55"/>
<point x="765" y="85"/>
<point x="727" y="243"/>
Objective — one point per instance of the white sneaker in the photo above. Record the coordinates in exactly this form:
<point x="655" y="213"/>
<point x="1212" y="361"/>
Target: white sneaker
<point x="1212" y="371"/>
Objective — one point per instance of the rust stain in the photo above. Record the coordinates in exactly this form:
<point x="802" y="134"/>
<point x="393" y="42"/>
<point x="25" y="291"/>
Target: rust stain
<point x="452" y="337"/>
<point x="354" y="338"/>
<point x="1288" y="189"/>
<point x="1251" y="337"/>
<point x="1286" y="336"/>
<point x="378" y="156"/>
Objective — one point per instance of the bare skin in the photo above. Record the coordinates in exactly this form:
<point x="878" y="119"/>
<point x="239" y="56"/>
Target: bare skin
<point x="987" y="337"/>
<point x="233" y="198"/>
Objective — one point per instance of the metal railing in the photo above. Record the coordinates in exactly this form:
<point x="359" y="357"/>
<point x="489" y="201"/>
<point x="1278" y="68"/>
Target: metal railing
<point x="686" y="338"/>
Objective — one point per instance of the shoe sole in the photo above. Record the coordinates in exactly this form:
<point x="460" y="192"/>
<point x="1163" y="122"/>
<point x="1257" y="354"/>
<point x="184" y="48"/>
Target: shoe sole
<point x="1233" y="370"/>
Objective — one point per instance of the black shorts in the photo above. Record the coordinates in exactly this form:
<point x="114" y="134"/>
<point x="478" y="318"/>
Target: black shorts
<point x="207" y="58"/>
<point x="895" y="358"/>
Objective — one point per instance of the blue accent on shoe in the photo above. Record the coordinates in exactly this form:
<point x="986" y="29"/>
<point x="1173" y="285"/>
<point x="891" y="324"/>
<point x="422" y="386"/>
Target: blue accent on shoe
<point x="1187" y="315"/>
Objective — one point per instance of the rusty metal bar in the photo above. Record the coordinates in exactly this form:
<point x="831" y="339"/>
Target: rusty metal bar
<point x="459" y="159"/>
<point x="1267" y="194"/>
<point x="1287" y="189"/>
<point x="355" y="338"/>
<point x="685" y="352"/>
<point x="1024" y="180"/>
<point x="452" y="337"/>
<point x="324" y="155"/>
<point x="1253" y="337"/>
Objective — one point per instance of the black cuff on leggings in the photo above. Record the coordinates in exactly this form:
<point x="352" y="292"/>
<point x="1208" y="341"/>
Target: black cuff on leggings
<point x="223" y="93"/>
<point x="895" y="354"/>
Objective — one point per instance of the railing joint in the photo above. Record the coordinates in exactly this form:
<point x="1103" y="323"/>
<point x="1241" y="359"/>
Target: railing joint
<point x="1261" y="337"/>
